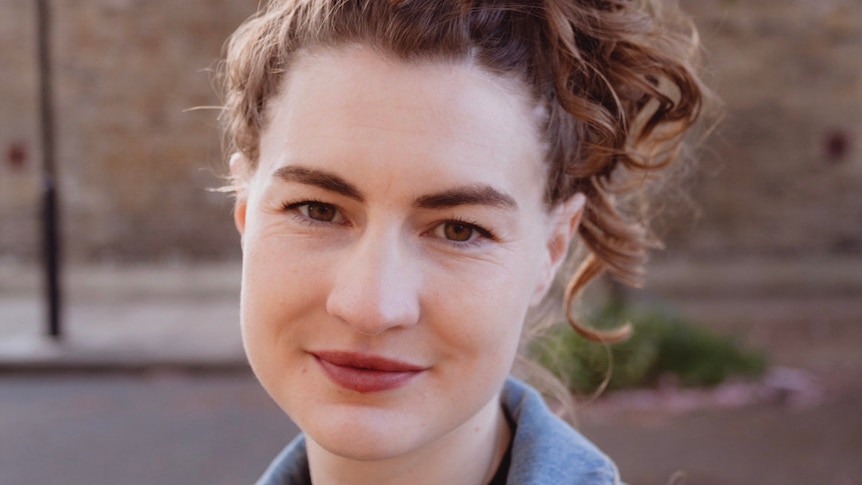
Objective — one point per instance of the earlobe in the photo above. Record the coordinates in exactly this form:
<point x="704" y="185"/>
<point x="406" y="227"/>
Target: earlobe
<point x="239" y="211"/>
<point x="238" y="167"/>
<point x="564" y="225"/>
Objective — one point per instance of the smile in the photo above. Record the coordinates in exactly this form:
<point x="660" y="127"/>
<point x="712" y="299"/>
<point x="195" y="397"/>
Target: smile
<point x="365" y="373"/>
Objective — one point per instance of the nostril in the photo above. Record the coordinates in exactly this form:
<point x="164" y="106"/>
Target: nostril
<point x="375" y="286"/>
<point x="372" y="308"/>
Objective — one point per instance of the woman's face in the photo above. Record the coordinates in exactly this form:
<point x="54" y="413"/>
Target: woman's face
<point x="394" y="236"/>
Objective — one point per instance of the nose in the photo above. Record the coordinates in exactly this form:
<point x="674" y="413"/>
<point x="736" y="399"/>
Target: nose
<point x="375" y="286"/>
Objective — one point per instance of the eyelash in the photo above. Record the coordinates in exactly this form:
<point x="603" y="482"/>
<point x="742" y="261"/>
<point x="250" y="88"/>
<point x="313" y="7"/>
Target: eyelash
<point x="293" y="209"/>
<point x="485" y="234"/>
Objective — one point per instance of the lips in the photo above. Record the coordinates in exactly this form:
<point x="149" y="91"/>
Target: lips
<point x="366" y="373"/>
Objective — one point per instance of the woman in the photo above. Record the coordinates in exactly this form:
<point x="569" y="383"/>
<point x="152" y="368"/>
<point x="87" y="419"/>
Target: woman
<point x="409" y="175"/>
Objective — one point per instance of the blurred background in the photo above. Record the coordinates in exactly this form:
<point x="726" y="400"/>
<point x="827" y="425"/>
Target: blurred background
<point x="147" y="382"/>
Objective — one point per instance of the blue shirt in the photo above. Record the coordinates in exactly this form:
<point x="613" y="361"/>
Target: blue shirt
<point x="545" y="450"/>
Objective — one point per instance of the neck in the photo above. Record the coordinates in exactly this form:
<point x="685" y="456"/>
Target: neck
<point x="469" y="455"/>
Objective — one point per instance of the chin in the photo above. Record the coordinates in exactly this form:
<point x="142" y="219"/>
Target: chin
<point x="359" y="439"/>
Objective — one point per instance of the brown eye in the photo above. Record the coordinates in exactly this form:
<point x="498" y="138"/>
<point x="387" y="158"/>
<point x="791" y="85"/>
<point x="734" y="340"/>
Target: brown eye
<point x="320" y="212"/>
<point x="462" y="234"/>
<point x="313" y="212"/>
<point x="458" y="232"/>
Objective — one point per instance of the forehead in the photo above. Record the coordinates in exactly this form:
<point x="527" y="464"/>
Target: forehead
<point x="352" y="103"/>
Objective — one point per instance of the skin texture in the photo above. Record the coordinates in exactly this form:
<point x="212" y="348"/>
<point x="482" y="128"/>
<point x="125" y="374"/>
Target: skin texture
<point x="397" y="212"/>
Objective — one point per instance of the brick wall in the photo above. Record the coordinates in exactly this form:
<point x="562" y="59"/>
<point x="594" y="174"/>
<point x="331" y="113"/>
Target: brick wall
<point x="19" y="123"/>
<point x="784" y="169"/>
<point x="134" y="164"/>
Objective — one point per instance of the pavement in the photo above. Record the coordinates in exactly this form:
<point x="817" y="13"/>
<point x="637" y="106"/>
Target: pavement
<point x="127" y="318"/>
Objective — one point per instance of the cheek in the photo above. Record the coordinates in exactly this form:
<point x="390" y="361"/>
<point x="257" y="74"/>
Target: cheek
<point x="257" y="305"/>
<point x="276" y="288"/>
<point x="481" y="311"/>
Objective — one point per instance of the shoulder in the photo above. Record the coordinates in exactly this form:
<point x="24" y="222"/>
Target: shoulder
<point x="290" y="467"/>
<point x="545" y="449"/>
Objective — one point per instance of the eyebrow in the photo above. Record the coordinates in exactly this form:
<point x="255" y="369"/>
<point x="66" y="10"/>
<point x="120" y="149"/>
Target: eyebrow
<point x="319" y="178"/>
<point x="469" y="195"/>
<point x="478" y="194"/>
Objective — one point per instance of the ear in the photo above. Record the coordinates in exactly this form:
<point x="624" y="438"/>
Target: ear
<point x="238" y="175"/>
<point x="564" y="223"/>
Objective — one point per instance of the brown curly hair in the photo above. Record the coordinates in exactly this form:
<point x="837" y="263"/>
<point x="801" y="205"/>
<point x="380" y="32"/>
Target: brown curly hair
<point x="617" y="79"/>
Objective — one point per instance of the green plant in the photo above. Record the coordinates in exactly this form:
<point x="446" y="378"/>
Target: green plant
<point x="662" y="345"/>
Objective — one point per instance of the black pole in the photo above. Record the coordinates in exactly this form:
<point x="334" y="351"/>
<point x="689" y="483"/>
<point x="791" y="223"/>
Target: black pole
<point x="50" y="233"/>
